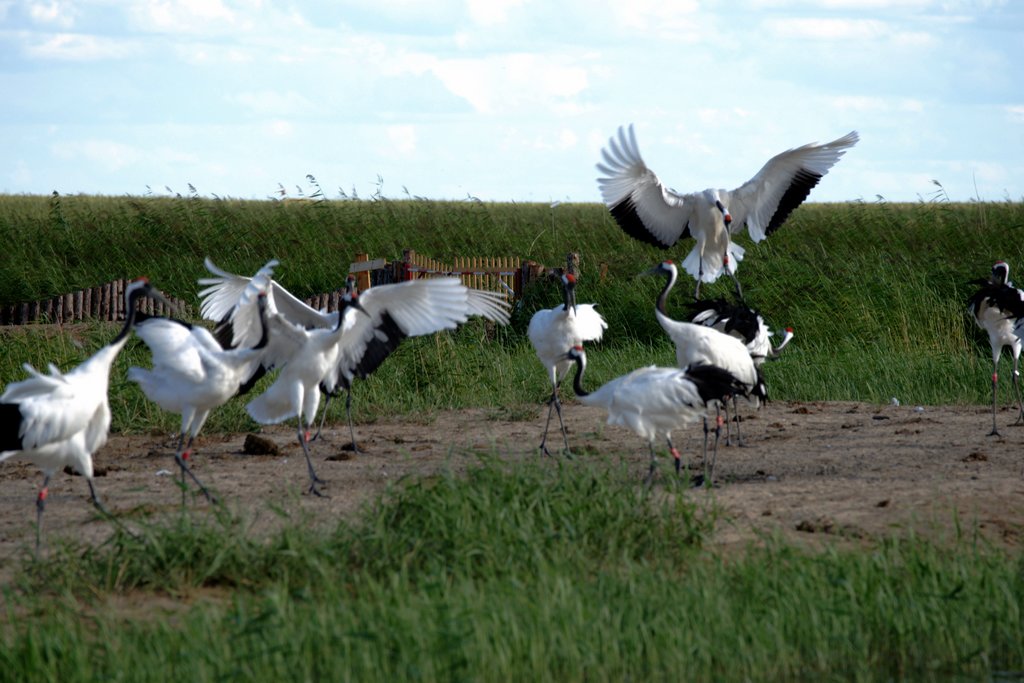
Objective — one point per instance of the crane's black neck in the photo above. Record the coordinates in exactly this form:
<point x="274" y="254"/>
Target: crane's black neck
<point x="670" y="281"/>
<point x="568" y="293"/>
<point x="577" y="381"/>
<point x="130" y="315"/>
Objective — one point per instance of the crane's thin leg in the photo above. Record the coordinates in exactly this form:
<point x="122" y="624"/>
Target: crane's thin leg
<point x="675" y="455"/>
<point x="323" y="416"/>
<point x="181" y="457"/>
<point x="556" y="405"/>
<point x="313" y="479"/>
<point x="736" y="281"/>
<point x="44" y="491"/>
<point x="709" y="473"/>
<point x="348" y="414"/>
<point x="736" y="413"/>
<point x="995" y="384"/>
<point x="1016" y="389"/>
<point x="106" y="513"/>
<point x="649" y="479"/>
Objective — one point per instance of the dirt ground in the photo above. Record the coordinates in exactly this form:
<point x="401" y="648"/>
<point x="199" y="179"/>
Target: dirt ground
<point x="815" y="472"/>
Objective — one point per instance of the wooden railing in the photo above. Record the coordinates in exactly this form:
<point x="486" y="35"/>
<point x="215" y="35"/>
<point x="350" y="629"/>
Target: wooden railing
<point x="508" y="275"/>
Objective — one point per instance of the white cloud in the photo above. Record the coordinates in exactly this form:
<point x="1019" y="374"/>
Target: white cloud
<point x="491" y="12"/>
<point x="58" y="13"/>
<point x="403" y="139"/>
<point x="273" y="102"/>
<point x="669" y="20"/>
<point x="182" y="16"/>
<point x="872" y="104"/>
<point x="80" y="47"/>
<point x="280" y="128"/>
<point x="513" y="80"/>
<point x="107" y="154"/>
<point x="827" y="29"/>
<point x="1016" y="113"/>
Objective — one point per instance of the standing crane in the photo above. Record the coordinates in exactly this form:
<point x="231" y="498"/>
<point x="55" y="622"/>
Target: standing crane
<point x="193" y="374"/>
<point x="62" y="419"/>
<point x="648" y="211"/>
<point x="551" y="331"/>
<point x="654" y="401"/>
<point x="996" y="306"/>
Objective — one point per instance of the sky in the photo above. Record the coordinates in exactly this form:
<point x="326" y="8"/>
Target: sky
<point x="506" y="100"/>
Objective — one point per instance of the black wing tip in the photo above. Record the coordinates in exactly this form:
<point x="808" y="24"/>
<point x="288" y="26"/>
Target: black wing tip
<point x="801" y="186"/>
<point x="629" y="220"/>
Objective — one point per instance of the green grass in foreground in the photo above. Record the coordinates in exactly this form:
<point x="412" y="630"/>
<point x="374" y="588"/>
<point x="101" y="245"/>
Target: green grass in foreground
<point x="518" y="572"/>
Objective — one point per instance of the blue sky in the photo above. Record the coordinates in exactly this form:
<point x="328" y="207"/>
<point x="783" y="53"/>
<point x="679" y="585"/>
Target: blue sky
<point x="506" y="99"/>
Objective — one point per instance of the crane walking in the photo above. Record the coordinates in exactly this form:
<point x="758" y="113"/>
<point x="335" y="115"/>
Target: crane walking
<point x="654" y="401"/>
<point x="61" y="419"/>
<point x="193" y="374"/>
<point x="996" y="307"/>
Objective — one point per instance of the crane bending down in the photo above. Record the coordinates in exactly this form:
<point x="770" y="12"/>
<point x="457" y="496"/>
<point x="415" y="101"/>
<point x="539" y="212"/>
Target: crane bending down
<point x="696" y="344"/>
<point x="193" y="374"/>
<point x="551" y="332"/>
<point x="61" y="419"/>
<point x="744" y="323"/>
<point x="648" y="211"/>
<point x="654" y="401"/>
<point x="741" y="321"/>
<point x="391" y="313"/>
<point x="996" y="306"/>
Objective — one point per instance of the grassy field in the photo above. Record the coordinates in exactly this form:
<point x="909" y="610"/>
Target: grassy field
<point x="521" y="572"/>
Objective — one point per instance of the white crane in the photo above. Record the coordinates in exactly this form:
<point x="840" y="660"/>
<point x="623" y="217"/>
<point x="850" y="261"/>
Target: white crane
<point x="296" y="390"/>
<point x="741" y="321"/>
<point x="193" y="374"/>
<point x="996" y="306"/>
<point x="61" y="419"/>
<point x="653" y="213"/>
<point x="551" y="332"/>
<point x="654" y="401"/>
<point x="696" y="344"/>
<point x="392" y="313"/>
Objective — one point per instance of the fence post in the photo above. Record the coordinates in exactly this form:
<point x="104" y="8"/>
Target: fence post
<point x="405" y="272"/>
<point x="363" y="278"/>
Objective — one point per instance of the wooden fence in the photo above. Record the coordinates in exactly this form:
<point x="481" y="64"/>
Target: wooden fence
<point x="506" y="274"/>
<point x="105" y="302"/>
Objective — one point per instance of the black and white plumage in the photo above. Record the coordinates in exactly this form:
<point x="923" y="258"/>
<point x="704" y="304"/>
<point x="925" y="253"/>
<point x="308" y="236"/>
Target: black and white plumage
<point x="295" y="391"/>
<point x="193" y="374"/>
<point x="699" y="344"/>
<point x="62" y="419"/>
<point x="997" y="306"/>
<point x="654" y="401"/>
<point x="741" y="321"/>
<point x="653" y="213"/>
<point x="390" y="313"/>
<point x="553" y="330"/>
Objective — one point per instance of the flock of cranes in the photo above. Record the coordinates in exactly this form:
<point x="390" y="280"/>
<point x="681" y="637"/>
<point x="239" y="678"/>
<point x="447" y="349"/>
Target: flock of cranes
<point x="60" y="419"/>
